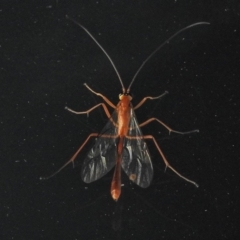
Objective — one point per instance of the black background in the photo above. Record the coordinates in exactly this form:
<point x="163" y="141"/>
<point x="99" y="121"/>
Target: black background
<point x="45" y="59"/>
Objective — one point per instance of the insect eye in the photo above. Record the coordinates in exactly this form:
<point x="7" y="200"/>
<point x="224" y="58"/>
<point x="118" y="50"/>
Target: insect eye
<point x="120" y="96"/>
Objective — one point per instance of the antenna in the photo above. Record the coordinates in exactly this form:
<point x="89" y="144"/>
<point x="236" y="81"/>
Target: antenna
<point x="111" y="61"/>
<point x="159" y="47"/>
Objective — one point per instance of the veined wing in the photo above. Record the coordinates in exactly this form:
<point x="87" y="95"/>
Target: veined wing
<point x="102" y="156"/>
<point x="136" y="160"/>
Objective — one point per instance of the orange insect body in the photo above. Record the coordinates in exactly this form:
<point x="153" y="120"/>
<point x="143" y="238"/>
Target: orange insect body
<point x="121" y="143"/>
<point x="123" y="109"/>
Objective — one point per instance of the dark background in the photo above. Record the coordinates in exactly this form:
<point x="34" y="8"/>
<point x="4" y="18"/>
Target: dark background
<point x="45" y="59"/>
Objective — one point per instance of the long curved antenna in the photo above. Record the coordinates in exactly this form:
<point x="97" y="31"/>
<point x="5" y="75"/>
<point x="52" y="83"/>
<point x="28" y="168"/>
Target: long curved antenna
<point x="111" y="61"/>
<point x="158" y="48"/>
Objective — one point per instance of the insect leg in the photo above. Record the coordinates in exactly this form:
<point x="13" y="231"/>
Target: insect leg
<point x="100" y="95"/>
<point x="168" y="128"/>
<point x="149" y="97"/>
<point x="72" y="158"/>
<point x="166" y="162"/>
<point x="91" y="109"/>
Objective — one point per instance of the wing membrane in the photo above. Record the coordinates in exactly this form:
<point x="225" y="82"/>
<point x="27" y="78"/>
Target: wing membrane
<point x="136" y="160"/>
<point x="102" y="156"/>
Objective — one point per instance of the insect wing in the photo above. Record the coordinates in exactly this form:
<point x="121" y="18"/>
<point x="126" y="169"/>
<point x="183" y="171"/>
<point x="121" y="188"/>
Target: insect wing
<point x="136" y="160"/>
<point x="102" y="156"/>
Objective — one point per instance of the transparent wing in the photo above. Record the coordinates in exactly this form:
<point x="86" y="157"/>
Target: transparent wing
<point x="102" y="156"/>
<point x="136" y="160"/>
